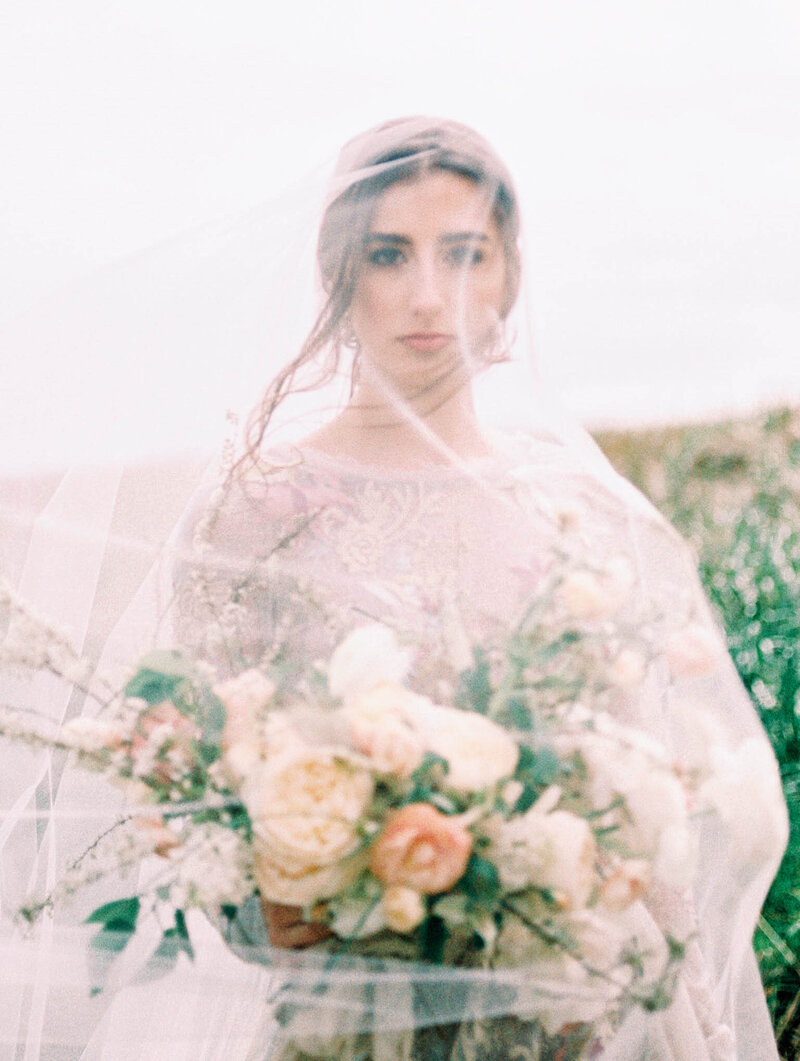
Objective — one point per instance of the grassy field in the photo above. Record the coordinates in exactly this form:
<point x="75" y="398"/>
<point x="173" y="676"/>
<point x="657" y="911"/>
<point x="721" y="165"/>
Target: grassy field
<point x="733" y="490"/>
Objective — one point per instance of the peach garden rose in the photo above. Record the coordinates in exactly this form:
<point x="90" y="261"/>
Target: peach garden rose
<point x="422" y="849"/>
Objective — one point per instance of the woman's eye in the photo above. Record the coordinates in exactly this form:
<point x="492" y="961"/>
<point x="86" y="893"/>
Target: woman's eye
<point x="464" y="254"/>
<point x="383" y="256"/>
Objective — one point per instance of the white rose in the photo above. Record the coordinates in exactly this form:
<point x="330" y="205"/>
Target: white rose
<point x="305" y="805"/>
<point x="745" y="790"/>
<point x="546" y="848"/>
<point x="478" y="751"/>
<point x="693" y="652"/>
<point x="367" y="657"/>
<point x="380" y="726"/>
<point x="403" y="908"/>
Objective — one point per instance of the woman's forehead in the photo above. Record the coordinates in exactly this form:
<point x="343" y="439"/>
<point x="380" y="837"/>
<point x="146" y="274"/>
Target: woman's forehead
<point x="438" y="201"/>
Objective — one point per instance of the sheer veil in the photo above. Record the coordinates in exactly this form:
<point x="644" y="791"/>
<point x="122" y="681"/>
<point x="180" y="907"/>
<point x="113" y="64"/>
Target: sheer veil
<point x="106" y="549"/>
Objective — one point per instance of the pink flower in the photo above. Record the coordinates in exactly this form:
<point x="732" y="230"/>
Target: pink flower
<point x="421" y="848"/>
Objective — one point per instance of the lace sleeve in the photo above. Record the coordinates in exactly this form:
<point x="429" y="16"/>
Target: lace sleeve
<point x="240" y="599"/>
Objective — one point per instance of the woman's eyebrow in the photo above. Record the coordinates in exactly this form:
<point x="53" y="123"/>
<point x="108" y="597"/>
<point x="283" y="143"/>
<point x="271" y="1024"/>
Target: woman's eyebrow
<point x="459" y="237"/>
<point x="386" y="237"/>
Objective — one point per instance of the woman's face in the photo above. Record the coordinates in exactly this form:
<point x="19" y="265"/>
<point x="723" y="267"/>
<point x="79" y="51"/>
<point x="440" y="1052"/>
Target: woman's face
<point x="432" y="280"/>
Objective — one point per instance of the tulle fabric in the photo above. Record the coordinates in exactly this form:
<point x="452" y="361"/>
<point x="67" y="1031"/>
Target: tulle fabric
<point x="108" y="550"/>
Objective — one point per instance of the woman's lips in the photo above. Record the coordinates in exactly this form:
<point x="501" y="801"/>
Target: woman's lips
<point x="425" y="342"/>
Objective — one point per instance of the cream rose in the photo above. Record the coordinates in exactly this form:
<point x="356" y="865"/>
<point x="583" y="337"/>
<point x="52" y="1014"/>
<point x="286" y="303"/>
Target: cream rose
<point x="305" y="805"/>
<point x="403" y="908"/>
<point x="479" y="753"/>
<point x="422" y="849"/>
<point x="367" y="657"/>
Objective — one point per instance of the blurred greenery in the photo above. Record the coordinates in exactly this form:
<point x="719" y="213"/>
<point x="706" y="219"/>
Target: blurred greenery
<point x="733" y="490"/>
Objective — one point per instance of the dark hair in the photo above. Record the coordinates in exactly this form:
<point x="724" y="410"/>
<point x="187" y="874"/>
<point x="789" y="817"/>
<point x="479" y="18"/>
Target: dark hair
<point x="401" y="150"/>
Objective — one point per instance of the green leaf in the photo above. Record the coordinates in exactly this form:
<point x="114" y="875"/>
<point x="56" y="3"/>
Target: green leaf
<point x="168" y="662"/>
<point x="526" y="800"/>
<point x="547" y="652"/>
<point x="120" y="912"/>
<point x="547" y="766"/>
<point x="452" y="908"/>
<point x="430" y="763"/>
<point x="118" y="921"/>
<point x="153" y="686"/>
<point x="174" y="942"/>
<point x="160" y="676"/>
<point x="474" y="690"/>
<point x="537" y="768"/>
<point x="481" y="881"/>
<point x="434" y="937"/>
<point x="515" y="714"/>
<point x="211" y="716"/>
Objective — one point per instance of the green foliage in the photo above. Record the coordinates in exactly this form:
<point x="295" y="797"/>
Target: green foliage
<point x="474" y="690"/>
<point x="160" y="677"/>
<point x="481" y="882"/>
<point x="733" y="490"/>
<point x="117" y="922"/>
<point x="434" y="938"/>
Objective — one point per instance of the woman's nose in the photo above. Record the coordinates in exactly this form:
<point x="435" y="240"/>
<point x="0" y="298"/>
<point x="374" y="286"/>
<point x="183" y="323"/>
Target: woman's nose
<point x="427" y="287"/>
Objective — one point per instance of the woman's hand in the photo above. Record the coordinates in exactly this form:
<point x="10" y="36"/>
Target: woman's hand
<point x="286" y="927"/>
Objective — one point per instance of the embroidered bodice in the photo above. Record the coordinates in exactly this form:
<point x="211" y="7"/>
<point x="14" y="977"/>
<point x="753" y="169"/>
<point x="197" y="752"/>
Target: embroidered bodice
<point x="446" y="556"/>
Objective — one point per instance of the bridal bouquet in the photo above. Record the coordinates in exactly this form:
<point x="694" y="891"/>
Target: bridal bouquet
<point x="513" y="819"/>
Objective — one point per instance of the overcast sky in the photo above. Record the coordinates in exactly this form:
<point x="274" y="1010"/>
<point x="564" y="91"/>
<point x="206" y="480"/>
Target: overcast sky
<point x="656" y="146"/>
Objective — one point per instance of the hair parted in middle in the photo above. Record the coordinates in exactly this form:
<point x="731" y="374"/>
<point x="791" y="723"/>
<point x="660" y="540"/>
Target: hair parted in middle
<point x="401" y="150"/>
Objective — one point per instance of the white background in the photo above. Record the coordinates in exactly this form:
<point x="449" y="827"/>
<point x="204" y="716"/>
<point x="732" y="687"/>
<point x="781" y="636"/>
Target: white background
<point x="656" y="146"/>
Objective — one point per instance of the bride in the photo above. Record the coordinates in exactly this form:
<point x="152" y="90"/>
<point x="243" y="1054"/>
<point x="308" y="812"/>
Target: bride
<point x="404" y="504"/>
<point x="404" y="469"/>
